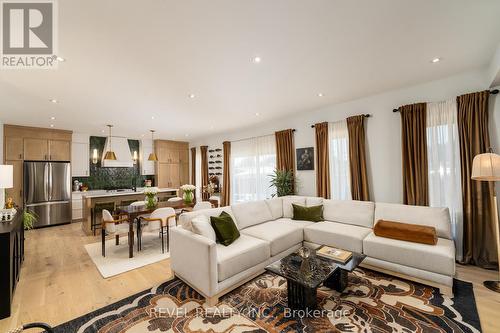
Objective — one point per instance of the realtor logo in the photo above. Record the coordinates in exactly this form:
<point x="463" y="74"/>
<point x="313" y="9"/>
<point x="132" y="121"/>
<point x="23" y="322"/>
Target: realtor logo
<point x="28" y="34"/>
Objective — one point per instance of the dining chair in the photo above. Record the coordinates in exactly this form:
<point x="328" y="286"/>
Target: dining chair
<point x="160" y="220"/>
<point x="46" y="327"/>
<point x="202" y="205"/>
<point x="113" y="224"/>
<point x="96" y="211"/>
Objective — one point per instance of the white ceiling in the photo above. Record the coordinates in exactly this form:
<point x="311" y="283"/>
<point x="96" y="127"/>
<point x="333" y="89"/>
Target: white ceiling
<point x="128" y="61"/>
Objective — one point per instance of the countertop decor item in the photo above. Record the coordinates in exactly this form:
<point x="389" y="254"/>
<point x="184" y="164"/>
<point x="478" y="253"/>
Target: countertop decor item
<point x="486" y="167"/>
<point x="188" y="193"/>
<point x="151" y="198"/>
<point x="6" y="181"/>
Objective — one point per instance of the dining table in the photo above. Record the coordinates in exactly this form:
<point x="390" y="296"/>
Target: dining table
<point x="134" y="211"/>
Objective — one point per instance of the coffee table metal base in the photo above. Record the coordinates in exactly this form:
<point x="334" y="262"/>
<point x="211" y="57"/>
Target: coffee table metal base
<point x="300" y="297"/>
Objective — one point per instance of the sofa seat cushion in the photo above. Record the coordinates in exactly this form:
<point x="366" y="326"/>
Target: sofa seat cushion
<point x="343" y="236"/>
<point x="282" y="235"/>
<point x="300" y="223"/>
<point x="244" y="253"/>
<point x="439" y="258"/>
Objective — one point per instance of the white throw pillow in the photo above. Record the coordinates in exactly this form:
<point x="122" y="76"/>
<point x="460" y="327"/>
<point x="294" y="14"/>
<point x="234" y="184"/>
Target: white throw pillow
<point x="202" y="226"/>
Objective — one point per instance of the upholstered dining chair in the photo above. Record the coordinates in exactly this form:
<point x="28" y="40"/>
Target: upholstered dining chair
<point x="160" y="220"/>
<point x="202" y="205"/>
<point x="46" y="327"/>
<point x="117" y="225"/>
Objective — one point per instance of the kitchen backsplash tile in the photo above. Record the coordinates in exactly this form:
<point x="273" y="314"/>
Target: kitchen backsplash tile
<point x="112" y="178"/>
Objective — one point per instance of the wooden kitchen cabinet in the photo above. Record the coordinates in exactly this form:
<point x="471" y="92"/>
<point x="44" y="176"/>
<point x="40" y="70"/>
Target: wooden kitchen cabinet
<point x="173" y="163"/>
<point x="59" y="150"/>
<point x="36" y="149"/>
<point x="16" y="192"/>
<point x="14" y="149"/>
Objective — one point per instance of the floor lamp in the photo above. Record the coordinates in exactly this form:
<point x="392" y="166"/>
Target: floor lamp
<point x="486" y="167"/>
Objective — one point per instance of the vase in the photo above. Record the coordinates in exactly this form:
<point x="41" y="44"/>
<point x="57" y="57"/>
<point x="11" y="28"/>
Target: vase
<point x="151" y="201"/>
<point x="188" y="197"/>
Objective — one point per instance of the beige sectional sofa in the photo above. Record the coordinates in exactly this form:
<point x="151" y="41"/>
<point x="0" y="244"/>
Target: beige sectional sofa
<point x="268" y="233"/>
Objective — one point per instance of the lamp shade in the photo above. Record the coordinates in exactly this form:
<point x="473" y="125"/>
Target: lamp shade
<point x="486" y="167"/>
<point x="6" y="176"/>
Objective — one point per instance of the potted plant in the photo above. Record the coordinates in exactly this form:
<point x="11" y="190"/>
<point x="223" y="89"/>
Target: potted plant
<point x="29" y="219"/>
<point x="151" y="198"/>
<point x="188" y="193"/>
<point x="283" y="180"/>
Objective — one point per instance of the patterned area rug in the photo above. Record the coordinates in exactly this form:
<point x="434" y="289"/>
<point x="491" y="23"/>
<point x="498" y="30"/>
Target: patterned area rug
<point x="373" y="302"/>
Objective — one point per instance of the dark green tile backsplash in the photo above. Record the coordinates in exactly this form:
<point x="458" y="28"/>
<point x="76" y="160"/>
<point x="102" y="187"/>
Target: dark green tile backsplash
<point x="112" y="178"/>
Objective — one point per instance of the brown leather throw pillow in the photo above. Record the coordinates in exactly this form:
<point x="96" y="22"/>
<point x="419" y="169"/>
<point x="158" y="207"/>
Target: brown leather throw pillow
<point x="406" y="232"/>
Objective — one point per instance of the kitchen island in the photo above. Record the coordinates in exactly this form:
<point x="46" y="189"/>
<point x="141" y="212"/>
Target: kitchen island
<point x="116" y="197"/>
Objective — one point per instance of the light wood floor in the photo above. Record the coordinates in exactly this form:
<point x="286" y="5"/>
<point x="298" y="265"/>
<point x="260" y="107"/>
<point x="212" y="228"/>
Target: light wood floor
<point x="59" y="281"/>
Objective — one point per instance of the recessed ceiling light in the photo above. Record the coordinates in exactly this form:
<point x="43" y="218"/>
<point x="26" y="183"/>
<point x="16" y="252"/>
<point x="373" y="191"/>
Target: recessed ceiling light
<point x="320" y="94"/>
<point x="257" y="114"/>
<point x="436" y="60"/>
<point x="212" y="127"/>
<point x="257" y="60"/>
<point x="186" y="135"/>
<point x="51" y="125"/>
<point x="55" y="101"/>
<point x="52" y="118"/>
<point x="102" y="131"/>
<point x="60" y="59"/>
<point x="192" y="96"/>
<point x="142" y="135"/>
<point x="153" y="117"/>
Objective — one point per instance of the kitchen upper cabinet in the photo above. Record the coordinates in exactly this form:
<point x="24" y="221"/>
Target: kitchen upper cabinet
<point x="36" y="149"/>
<point x="184" y="173"/>
<point x="59" y="150"/>
<point x="16" y="192"/>
<point x="173" y="163"/>
<point x="184" y="156"/>
<point x="14" y="149"/>
<point x="147" y="167"/>
<point x="80" y="159"/>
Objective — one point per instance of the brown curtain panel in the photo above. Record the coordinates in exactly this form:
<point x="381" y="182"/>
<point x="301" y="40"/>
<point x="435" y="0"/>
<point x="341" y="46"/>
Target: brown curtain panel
<point x="226" y="180"/>
<point x="479" y="240"/>
<point x="414" y="154"/>
<point x="357" y="158"/>
<point x="322" y="161"/>
<point x="204" y="171"/>
<point x="285" y="150"/>
<point x="193" y="166"/>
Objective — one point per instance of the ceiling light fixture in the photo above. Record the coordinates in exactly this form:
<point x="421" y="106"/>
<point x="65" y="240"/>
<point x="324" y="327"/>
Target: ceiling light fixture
<point x="153" y="117"/>
<point x="110" y="154"/>
<point x="257" y="60"/>
<point x="152" y="156"/>
<point x="192" y="96"/>
<point x="320" y="94"/>
<point x="257" y="114"/>
<point x="52" y="118"/>
<point x="435" y="60"/>
<point x="51" y="125"/>
<point x="60" y="59"/>
<point x="55" y="101"/>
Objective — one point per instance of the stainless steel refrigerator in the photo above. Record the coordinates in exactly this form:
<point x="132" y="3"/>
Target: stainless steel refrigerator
<point x="47" y="192"/>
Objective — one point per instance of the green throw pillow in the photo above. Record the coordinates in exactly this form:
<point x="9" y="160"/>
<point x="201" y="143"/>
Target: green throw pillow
<point x="225" y="229"/>
<point x="313" y="213"/>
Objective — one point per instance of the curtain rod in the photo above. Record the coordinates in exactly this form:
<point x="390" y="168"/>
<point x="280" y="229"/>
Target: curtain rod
<point x="256" y="137"/>
<point x="492" y="92"/>
<point x="367" y="115"/>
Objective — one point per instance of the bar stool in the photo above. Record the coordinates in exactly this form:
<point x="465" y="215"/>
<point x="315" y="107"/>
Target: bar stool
<point x="97" y="210"/>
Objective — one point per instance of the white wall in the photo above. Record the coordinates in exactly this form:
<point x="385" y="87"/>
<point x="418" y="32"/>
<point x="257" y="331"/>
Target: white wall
<point x="1" y="142"/>
<point x="383" y="129"/>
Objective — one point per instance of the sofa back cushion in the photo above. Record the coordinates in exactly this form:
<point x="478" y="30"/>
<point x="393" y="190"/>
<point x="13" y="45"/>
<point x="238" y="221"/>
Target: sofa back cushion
<point x="349" y="211"/>
<point x="276" y="207"/>
<point x="186" y="218"/>
<point x="287" y="204"/>
<point x="251" y="213"/>
<point x="438" y="218"/>
<point x="314" y="201"/>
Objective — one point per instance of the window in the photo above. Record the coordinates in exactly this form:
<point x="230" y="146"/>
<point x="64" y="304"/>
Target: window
<point x="340" y="181"/>
<point x="443" y="155"/>
<point x="252" y="163"/>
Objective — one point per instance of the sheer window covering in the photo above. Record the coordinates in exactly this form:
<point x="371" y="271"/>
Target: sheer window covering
<point x="443" y="154"/>
<point x="252" y="162"/>
<point x="339" y="160"/>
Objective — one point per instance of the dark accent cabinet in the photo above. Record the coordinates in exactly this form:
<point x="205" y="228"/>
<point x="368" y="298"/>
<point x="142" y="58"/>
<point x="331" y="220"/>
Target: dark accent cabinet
<point x="11" y="259"/>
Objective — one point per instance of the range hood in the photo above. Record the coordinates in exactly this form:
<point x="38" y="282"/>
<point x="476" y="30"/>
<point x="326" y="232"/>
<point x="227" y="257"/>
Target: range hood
<point x="122" y="151"/>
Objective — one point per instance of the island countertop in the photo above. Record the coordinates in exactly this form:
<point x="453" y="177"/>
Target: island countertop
<point x="139" y="190"/>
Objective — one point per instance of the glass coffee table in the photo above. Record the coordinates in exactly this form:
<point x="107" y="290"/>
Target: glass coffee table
<point x="304" y="276"/>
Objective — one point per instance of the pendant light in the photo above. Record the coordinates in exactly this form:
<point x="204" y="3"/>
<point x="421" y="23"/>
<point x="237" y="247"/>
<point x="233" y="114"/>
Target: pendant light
<point x="110" y="154"/>
<point x="152" y="156"/>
